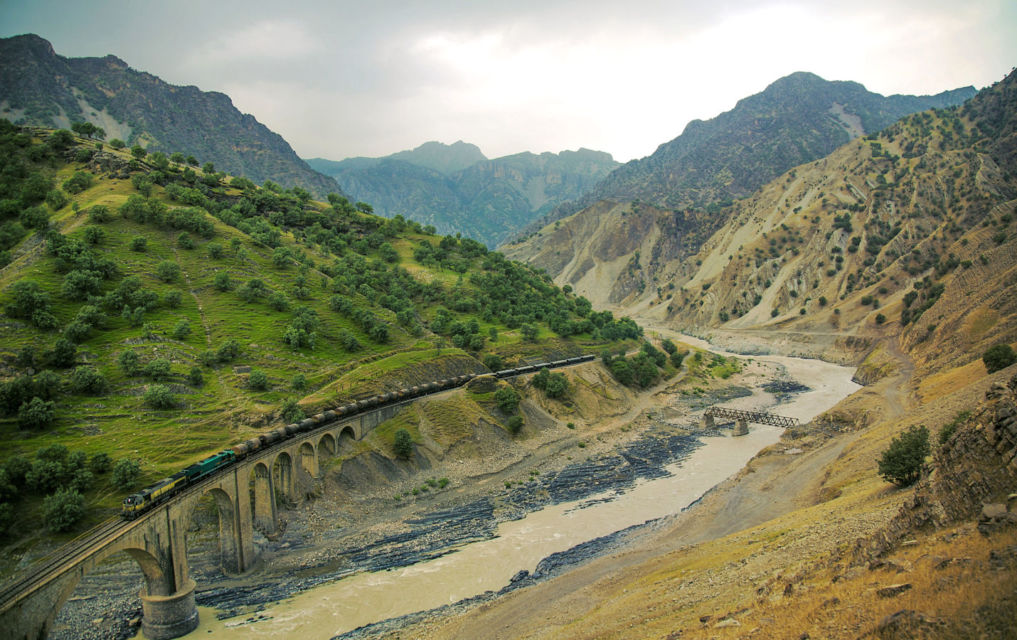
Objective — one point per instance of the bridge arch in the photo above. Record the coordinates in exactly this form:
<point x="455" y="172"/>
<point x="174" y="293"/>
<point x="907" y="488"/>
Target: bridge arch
<point x="262" y="497"/>
<point x="326" y="449"/>
<point x="347" y="436"/>
<point x="308" y="459"/>
<point x="282" y="476"/>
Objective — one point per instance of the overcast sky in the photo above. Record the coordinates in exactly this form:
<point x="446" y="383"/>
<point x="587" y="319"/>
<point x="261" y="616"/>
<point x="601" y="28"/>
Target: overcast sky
<point x="372" y="77"/>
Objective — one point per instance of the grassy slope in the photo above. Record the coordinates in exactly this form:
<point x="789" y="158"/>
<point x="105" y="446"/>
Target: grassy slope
<point x="224" y="410"/>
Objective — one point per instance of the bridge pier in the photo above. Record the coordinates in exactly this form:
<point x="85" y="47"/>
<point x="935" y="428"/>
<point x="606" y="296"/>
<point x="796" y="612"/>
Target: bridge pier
<point x="707" y="421"/>
<point x="741" y="428"/>
<point x="165" y="617"/>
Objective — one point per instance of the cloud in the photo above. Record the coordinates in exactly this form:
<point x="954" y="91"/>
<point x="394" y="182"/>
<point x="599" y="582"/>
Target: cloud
<point x="263" y="40"/>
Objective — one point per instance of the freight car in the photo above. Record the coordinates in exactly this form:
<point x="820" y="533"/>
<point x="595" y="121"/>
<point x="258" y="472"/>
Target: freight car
<point x="141" y="501"/>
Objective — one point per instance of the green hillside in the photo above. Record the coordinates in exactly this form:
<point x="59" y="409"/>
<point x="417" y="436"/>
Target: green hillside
<point x="157" y="313"/>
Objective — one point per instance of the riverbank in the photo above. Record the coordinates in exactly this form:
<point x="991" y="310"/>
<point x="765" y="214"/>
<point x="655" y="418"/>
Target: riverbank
<point x="574" y="514"/>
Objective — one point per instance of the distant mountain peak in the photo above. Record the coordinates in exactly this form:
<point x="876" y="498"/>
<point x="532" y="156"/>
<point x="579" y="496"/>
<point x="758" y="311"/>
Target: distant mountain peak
<point x="446" y="158"/>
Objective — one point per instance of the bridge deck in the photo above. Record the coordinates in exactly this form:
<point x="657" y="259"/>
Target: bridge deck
<point x="759" y="417"/>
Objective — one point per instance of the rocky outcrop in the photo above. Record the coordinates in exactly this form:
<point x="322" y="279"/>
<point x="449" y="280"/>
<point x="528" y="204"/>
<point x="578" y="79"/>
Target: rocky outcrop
<point x="973" y="474"/>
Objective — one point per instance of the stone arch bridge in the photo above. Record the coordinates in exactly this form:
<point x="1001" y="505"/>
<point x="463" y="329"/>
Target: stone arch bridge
<point x="245" y="496"/>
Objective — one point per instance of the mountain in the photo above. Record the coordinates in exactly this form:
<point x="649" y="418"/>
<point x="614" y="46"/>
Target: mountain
<point x="39" y="87"/>
<point x="488" y="200"/>
<point x="796" y="119"/>
<point x="444" y="158"/>
<point x="908" y="231"/>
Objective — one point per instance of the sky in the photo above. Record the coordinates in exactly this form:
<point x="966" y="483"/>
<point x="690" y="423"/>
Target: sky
<point x="373" y="77"/>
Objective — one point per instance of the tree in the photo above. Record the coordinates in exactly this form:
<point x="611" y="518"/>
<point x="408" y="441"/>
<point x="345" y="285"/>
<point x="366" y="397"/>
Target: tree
<point x="258" y="380"/>
<point x="63" y="509"/>
<point x="901" y="463"/>
<point x="100" y="463"/>
<point x="36" y="413"/>
<point x="195" y="378"/>
<point x="998" y="357"/>
<point x="137" y="151"/>
<point x="182" y="329"/>
<point x="223" y="281"/>
<point x="403" y="443"/>
<point x="130" y="362"/>
<point x="507" y="399"/>
<point x="493" y="362"/>
<point x="159" y="396"/>
<point x="167" y="270"/>
<point x="87" y="380"/>
<point x="117" y="143"/>
<point x="139" y="244"/>
<point x="529" y="331"/>
<point x="158" y="369"/>
<point x="125" y="474"/>
<point x="557" y="385"/>
<point x="515" y="424"/>
<point x="64" y="353"/>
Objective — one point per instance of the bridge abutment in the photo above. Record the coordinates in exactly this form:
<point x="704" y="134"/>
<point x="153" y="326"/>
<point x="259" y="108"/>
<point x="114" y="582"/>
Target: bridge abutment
<point x="165" y="617"/>
<point x="707" y="421"/>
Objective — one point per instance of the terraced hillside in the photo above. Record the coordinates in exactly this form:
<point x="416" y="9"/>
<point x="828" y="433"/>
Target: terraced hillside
<point x="156" y="313"/>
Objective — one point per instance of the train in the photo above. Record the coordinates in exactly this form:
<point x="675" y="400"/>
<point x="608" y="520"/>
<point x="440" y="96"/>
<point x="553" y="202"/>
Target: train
<point x="138" y="503"/>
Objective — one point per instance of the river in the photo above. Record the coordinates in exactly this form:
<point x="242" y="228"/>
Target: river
<point x="331" y="609"/>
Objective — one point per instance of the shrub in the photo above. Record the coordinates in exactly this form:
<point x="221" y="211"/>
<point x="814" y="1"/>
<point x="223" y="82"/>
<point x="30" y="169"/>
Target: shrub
<point x="290" y="412"/>
<point x="215" y="250"/>
<point x="167" y="271"/>
<point x="130" y="362"/>
<point x="228" y="351"/>
<point x="258" y="380"/>
<point x="172" y="299"/>
<point x="902" y="462"/>
<point x="94" y="235"/>
<point x="223" y="281"/>
<point x="158" y="369"/>
<point x="36" y="413"/>
<point x="77" y="183"/>
<point x="87" y="380"/>
<point x="299" y="382"/>
<point x="998" y="357"/>
<point x="507" y="399"/>
<point x="403" y="443"/>
<point x="194" y="377"/>
<point x="181" y="330"/>
<point x="100" y="463"/>
<point x="62" y="510"/>
<point x="159" y="396"/>
<point x="64" y="353"/>
<point x="493" y="362"/>
<point x="515" y="424"/>
<point x="184" y="241"/>
<point x="139" y="243"/>
<point x="125" y="474"/>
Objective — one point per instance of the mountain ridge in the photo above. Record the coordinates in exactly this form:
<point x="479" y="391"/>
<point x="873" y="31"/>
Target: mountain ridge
<point x="42" y="88"/>
<point x="797" y="118"/>
<point x="488" y="200"/>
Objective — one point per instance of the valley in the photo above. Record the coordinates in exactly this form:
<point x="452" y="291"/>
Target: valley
<point x="818" y="251"/>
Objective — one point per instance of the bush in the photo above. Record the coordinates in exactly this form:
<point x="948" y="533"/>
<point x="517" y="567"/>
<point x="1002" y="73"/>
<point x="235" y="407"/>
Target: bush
<point x="493" y="362"/>
<point x="63" y="510"/>
<point x="194" y="377"/>
<point x="157" y="369"/>
<point x="902" y="462"/>
<point x="167" y="271"/>
<point x="64" y="353"/>
<point x="125" y="474"/>
<point x="228" y="351"/>
<point x="998" y="357"/>
<point x="130" y="362"/>
<point x="290" y="412"/>
<point x="94" y="235"/>
<point x="36" y="413"/>
<point x="181" y="330"/>
<point x="86" y="380"/>
<point x="507" y="399"/>
<point x="299" y="382"/>
<point x="139" y="243"/>
<point x="172" y="299"/>
<point x="403" y="444"/>
<point x="184" y="241"/>
<point x="159" y="396"/>
<point x="223" y="281"/>
<point x="515" y="424"/>
<point x="100" y="463"/>
<point x="258" y="380"/>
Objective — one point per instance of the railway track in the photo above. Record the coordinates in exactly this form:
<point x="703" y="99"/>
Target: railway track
<point x="53" y="564"/>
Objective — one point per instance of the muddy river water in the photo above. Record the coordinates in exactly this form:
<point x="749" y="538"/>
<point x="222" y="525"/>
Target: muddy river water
<point x="331" y="609"/>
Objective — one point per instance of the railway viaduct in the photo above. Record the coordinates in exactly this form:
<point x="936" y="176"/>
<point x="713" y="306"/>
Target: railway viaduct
<point x="245" y="495"/>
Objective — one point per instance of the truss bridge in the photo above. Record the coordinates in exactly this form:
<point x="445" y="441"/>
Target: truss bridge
<point x="743" y="418"/>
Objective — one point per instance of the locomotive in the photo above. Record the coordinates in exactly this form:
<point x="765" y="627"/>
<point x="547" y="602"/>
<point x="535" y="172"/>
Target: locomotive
<point x="140" y="502"/>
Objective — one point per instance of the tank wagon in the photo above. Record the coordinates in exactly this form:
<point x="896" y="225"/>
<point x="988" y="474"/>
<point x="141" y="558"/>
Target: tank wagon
<point x="155" y="494"/>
